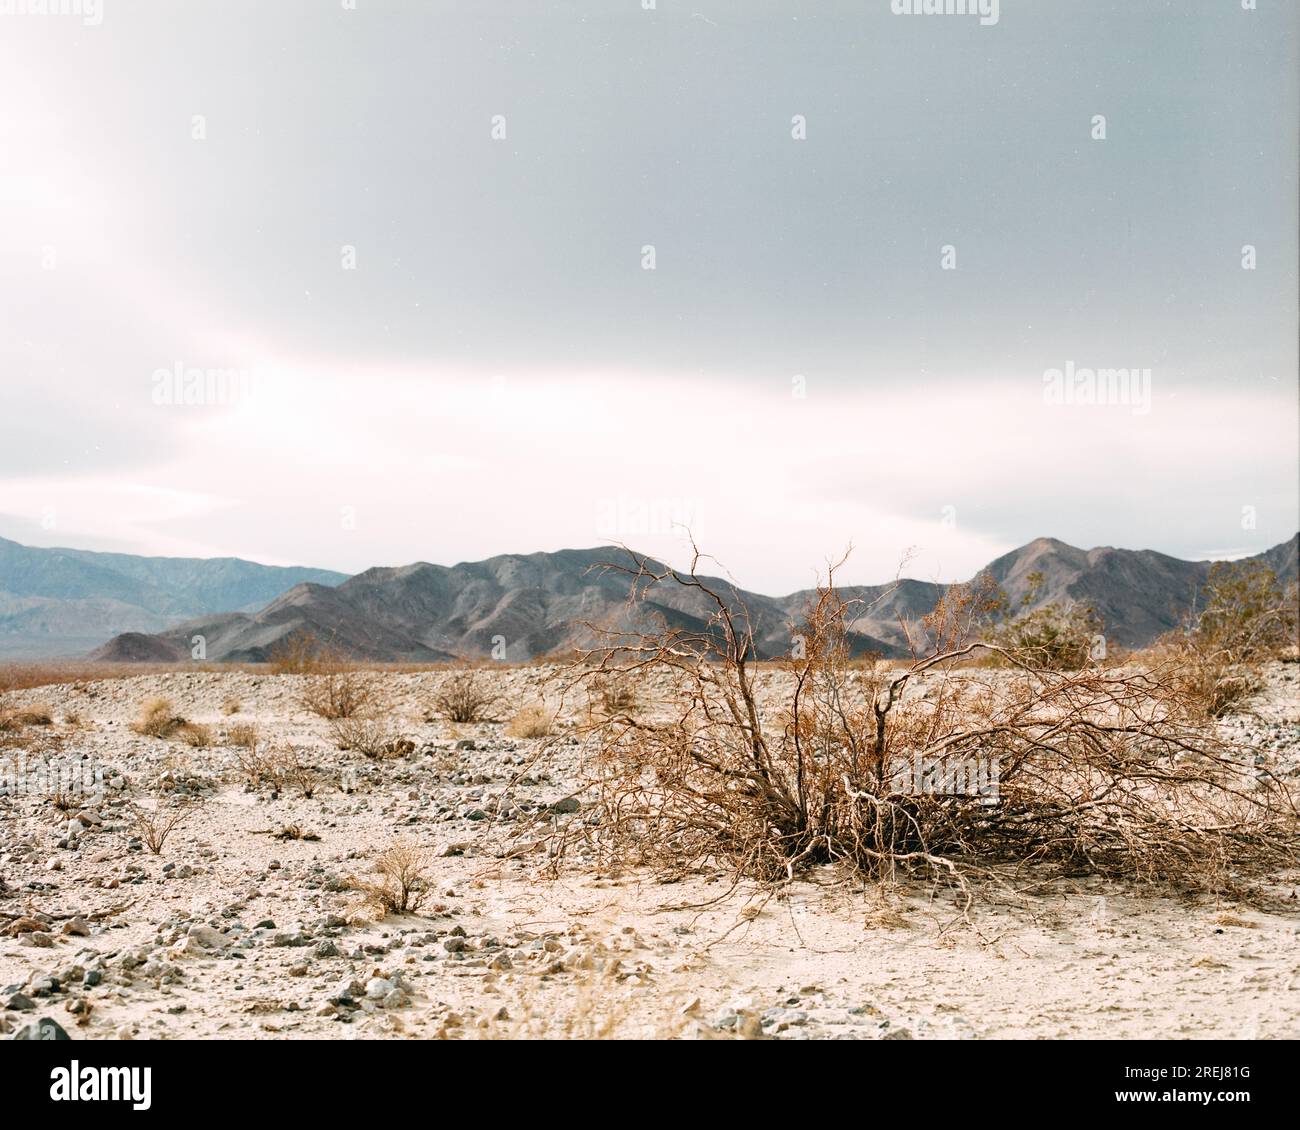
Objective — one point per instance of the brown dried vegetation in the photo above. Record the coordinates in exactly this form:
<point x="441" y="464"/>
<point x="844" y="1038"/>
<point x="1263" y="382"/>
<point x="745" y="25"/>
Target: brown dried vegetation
<point x="938" y="769"/>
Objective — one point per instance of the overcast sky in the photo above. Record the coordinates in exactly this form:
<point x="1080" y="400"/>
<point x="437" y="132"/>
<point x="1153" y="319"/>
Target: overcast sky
<point x="491" y="368"/>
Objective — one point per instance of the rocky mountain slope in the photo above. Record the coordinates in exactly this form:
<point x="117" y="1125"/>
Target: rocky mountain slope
<point x="60" y="602"/>
<point x="521" y="607"/>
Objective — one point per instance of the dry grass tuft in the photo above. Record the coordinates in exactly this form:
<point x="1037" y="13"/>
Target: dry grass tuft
<point x="242" y="735"/>
<point x="194" y="734"/>
<point x="1226" y="919"/>
<point x="158" y="719"/>
<point x="533" y="721"/>
<point x="14" y="719"/>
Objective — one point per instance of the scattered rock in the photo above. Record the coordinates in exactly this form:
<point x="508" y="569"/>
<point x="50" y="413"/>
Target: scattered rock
<point x="42" y="1029"/>
<point x="208" y="937"/>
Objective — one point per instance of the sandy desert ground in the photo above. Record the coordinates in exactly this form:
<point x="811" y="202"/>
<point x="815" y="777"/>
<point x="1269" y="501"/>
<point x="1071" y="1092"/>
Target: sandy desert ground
<point x="231" y="932"/>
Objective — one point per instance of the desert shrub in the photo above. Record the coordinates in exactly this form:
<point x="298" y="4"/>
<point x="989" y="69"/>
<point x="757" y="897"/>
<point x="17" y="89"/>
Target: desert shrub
<point x="278" y="767"/>
<point x="242" y="734"/>
<point x="399" y="882"/>
<point x="1054" y="637"/>
<point x="533" y="721"/>
<point x="194" y="734"/>
<point x="932" y="769"/>
<point x="463" y="697"/>
<point x="16" y="718"/>
<point x="1247" y="613"/>
<point x="373" y="737"/>
<point x="1245" y="616"/>
<point x="154" y="825"/>
<point x="301" y="653"/>
<point x="341" y="692"/>
<point x="230" y="706"/>
<point x="612" y="693"/>
<point x="158" y="719"/>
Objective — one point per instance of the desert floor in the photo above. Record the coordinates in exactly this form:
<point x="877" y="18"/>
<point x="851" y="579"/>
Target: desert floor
<point x="231" y="932"/>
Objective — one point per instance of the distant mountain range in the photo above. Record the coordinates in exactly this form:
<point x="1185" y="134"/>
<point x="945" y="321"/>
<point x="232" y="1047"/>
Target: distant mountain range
<point x="63" y="602"/>
<point x="540" y="603"/>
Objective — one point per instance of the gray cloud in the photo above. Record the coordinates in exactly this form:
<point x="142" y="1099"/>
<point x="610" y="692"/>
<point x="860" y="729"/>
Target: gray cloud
<point x="775" y="257"/>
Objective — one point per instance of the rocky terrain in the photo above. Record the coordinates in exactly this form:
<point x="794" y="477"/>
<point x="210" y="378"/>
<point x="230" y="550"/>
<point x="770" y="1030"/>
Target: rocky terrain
<point x="247" y="922"/>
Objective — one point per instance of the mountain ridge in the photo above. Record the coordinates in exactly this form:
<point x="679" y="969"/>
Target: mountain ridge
<point x="521" y="606"/>
<point x="63" y="601"/>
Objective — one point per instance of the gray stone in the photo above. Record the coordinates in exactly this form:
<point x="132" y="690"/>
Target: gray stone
<point x="20" y="1003"/>
<point x="377" y="988"/>
<point x="208" y="937"/>
<point x="42" y="1029"/>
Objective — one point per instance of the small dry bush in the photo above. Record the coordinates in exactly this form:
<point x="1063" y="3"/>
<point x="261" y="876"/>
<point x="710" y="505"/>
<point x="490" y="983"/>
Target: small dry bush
<point x="533" y="721"/>
<point x="278" y="767"/>
<point x="1246" y="617"/>
<point x="935" y="769"/>
<point x="243" y="735"/>
<point x="301" y="653"/>
<point x="1050" y="637"/>
<point x="612" y="694"/>
<point x="230" y="706"/>
<point x="399" y="882"/>
<point x="463" y="697"/>
<point x="194" y="734"/>
<point x="341" y="692"/>
<point x="372" y="737"/>
<point x="14" y="719"/>
<point x="158" y="719"/>
<point x="154" y="825"/>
